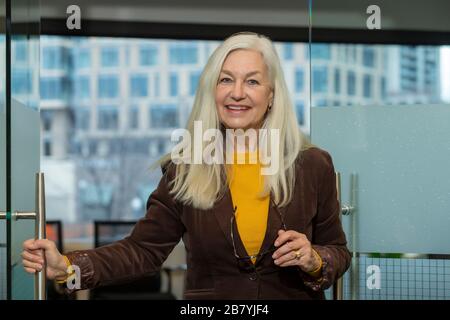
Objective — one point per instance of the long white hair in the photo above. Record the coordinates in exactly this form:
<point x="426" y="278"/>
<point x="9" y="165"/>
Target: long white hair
<point x="200" y="185"/>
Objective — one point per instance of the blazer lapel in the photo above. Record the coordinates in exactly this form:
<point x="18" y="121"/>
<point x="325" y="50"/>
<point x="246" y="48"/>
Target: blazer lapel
<point x="223" y="210"/>
<point x="274" y="223"/>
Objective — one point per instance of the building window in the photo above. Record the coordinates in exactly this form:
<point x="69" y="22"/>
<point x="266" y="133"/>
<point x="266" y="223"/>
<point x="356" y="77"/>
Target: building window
<point x="337" y="81"/>
<point x="138" y="86"/>
<point x="133" y="117"/>
<point x="20" y="81"/>
<point x="82" y="87"/>
<point x="82" y="58"/>
<point x="320" y="79"/>
<point x="321" y="103"/>
<point x="20" y="51"/>
<point x="368" y="56"/>
<point x="82" y="118"/>
<point x="53" y="58"/>
<point x="300" y="108"/>
<point x="383" y="88"/>
<point x="47" y="148"/>
<point x="288" y="51"/>
<point x="367" y="86"/>
<point x="47" y="119"/>
<point x="351" y="83"/>
<point x="108" y="86"/>
<point x="93" y="146"/>
<point x="194" y="79"/>
<point x="108" y="117"/>
<point x="183" y="53"/>
<point x="320" y="51"/>
<point x="109" y="57"/>
<point x="163" y="116"/>
<point x="53" y="88"/>
<point x="173" y="85"/>
<point x="299" y="80"/>
<point x="156" y="83"/>
<point x="148" y="55"/>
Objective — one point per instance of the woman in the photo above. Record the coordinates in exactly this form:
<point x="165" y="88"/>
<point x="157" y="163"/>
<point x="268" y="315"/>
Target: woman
<point x="275" y="236"/>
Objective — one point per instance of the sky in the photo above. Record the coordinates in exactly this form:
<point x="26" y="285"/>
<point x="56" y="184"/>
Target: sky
<point x="445" y="73"/>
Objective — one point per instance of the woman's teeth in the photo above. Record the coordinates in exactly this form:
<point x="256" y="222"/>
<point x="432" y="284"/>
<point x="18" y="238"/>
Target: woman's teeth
<point x="236" y="107"/>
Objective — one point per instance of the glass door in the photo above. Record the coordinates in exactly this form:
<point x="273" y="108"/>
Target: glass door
<point x="21" y="197"/>
<point x="381" y="112"/>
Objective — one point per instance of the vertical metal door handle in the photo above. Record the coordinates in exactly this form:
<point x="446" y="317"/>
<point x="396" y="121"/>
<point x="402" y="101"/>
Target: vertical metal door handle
<point x="40" y="280"/>
<point x="338" y="286"/>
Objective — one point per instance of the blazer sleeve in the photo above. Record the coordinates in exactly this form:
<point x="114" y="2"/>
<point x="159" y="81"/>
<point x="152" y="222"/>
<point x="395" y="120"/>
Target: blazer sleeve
<point x="328" y="237"/>
<point x="140" y="254"/>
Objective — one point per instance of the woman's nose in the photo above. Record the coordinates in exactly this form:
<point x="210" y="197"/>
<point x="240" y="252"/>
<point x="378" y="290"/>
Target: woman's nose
<point x="237" y="92"/>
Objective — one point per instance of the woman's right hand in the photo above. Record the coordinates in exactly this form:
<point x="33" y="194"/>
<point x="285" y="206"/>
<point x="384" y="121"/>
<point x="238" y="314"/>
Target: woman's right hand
<point x="33" y="258"/>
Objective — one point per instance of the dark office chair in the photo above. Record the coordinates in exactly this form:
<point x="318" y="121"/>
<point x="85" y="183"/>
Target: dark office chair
<point x="146" y="288"/>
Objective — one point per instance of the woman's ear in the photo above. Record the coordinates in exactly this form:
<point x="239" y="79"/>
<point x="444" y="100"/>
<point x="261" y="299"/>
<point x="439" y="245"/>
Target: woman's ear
<point x="271" y="97"/>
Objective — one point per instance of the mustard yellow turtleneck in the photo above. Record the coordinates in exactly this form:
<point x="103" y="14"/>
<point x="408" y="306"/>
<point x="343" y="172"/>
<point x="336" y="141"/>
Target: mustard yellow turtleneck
<point x="246" y="183"/>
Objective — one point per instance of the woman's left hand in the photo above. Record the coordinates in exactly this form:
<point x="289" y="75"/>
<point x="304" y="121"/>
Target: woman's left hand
<point x="294" y="249"/>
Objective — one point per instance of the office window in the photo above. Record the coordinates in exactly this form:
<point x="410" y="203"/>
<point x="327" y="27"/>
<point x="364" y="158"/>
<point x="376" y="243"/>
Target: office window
<point x="53" y="88"/>
<point x="21" y="81"/>
<point x="82" y="58"/>
<point x="194" y="79"/>
<point x="47" y="147"/>
<point x="300" y="109"/>
<point x="368" y="56"/>
<point x="156" y="83"/>
<point x="288" y="51"/>
<point x="337" y="81"/>
<point x="82" y="87"/>
<point x="108" y="117"/>
<point x="351" y="53"/>
<point x="138" y="85"/>
<point x="54" y="58"/>
<point x="351" y="83"/>
<point x="148" y="55"/>
<point x="108" y="86"/>
<point x="383" y="88"/>
<point x="320" y="51"/>
<point x="321" y="103"/>
<point x="367" y="85"/>
<point x="183" y="53"/>
<point x="20" y="51"/>
<point x="299" y="80"/>
<point x="109" y="57"/>
<point x="46" y="119"/>
<point x="173" y="85"/>
<point x="82" y="118"/>
<point x="133" y="117"/>
<point x="320" y="79"/>
<point x="163" y="116"/>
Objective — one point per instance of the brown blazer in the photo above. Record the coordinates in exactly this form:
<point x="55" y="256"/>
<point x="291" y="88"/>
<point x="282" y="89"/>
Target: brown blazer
<point x="212" y="269"/>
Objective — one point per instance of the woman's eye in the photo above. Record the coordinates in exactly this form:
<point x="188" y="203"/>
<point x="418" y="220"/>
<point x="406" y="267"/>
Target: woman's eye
<point x="225" y="80"/>
<point x="253" y="81"/>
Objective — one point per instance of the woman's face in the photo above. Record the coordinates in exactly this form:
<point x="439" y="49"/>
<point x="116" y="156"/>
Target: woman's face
<point x="243" y="91"/>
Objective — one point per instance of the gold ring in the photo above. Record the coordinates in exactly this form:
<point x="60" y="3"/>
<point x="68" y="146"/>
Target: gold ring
<point x="297" y="254"/>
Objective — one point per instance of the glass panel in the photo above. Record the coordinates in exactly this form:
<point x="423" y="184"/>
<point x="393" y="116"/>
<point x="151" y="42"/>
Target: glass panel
<point x="3" y="181"/>
<point x="382" y="113"/>
<point x="25" y="135"/>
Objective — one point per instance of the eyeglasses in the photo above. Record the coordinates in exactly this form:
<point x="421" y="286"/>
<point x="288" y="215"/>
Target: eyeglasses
<point x="243" y="261"/>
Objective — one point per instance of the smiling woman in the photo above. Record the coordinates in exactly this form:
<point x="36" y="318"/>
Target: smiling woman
<point x="275" y="236"/>
<point x="244" y="92"/>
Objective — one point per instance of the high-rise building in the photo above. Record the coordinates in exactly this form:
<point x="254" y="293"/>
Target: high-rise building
<point x="109" y="105"/>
